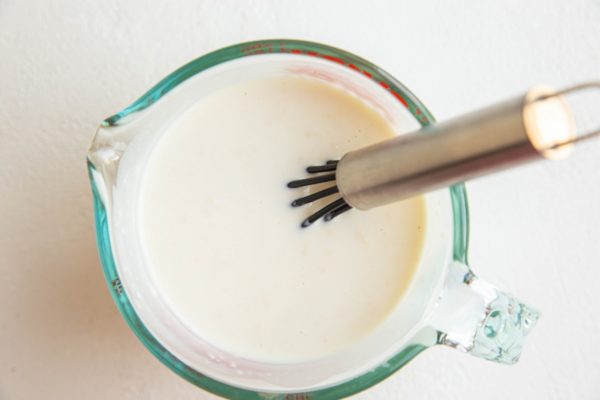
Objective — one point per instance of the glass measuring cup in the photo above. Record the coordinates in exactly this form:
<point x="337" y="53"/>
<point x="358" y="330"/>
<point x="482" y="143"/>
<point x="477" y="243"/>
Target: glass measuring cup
<point x="446" y="304"/>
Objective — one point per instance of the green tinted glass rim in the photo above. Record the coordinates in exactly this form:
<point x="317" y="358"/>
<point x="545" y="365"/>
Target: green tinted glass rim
<point x="253" y="49"/>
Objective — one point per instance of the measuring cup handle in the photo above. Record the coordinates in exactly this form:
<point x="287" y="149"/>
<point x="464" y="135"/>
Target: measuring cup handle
<point x="473" y="316"/>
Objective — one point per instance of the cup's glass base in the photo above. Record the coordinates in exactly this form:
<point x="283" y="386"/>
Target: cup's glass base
<point x="103" y="162"/>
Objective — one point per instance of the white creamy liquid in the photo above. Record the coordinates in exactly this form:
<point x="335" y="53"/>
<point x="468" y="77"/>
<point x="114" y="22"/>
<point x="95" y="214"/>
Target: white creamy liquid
<point x="225" y="247"/>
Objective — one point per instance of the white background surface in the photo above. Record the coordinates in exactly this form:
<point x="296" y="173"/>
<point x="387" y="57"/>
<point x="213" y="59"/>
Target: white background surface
<point x="64" y="66"/>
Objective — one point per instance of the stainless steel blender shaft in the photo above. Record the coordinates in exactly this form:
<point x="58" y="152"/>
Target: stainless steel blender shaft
<point x="466" y="147"/>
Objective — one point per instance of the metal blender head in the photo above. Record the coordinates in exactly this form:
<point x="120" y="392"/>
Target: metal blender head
<point x="539" y="124"/>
